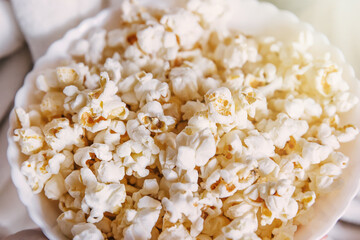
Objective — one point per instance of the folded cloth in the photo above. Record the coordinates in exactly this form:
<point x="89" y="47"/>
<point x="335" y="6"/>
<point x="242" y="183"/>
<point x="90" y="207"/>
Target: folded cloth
<point x="11" y="37"/>
<point x="44" y="21"/>
<point x="30" y="234"/>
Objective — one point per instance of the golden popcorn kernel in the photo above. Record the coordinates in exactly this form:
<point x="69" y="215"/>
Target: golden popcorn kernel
<point x="230" y="187"/>
<point x="250" y="97"/>
<point x="307" y="200"/>
<point x="96" y="93"/>
<point x="67" y="75"/>
<point x="256" y="84"/>
<point x="265" y="211"/>
<point x="88" y="120"/>
<point x="131" y="38"/>
<point x="215" y="184"/>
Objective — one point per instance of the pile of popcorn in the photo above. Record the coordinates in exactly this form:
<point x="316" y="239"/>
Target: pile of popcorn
<point x="172" y="126"/>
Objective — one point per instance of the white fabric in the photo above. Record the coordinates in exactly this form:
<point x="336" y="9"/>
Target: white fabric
<point x="11" y="37"/>
<point x="43" y="22"/>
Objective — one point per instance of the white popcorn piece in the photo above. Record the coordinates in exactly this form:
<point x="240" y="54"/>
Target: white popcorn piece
<point x="47" y="80"/>
<point x="40" y="167"/>
<point x="179" y="22"/>
<point x="150" y="38"/>
<point x="209" y="11"/>
<point x="151" y="115"/>
<point x="195" y="150"/>
<point x="177" y="232"/>
<point x="148" y="89"/>
<point x="67" y="76"/>
<point x="235" y="176"/>
<point x="282" y="128"/>
<point x="190" y="108"/>
<point x="345" y="101"/>
<point x="258" y="145"/>
<point x="237" y="53"/>
<point x="220" y="105"/>
<point x="89" y="155"/>
<point x="315" y="152"/>
<point x="184" y="83"/>
<point x="30" y="138"/>
<point x="252" y="101"/>
<point x="182" y="203"/>
<point x="278" y="201"/>
<point x="346" y="133"/>
<point x="55" y="187"/>
<point x="135" y="158"/>
<point x="92" y="122"/>
<point x="138" y="133"/>
<point x="113" y="67"/>
<point x="68" y="219"/>
<point x="109" y="172"/>
<point x="74" y="185"/>
<point x="144" y="220"/>
<point x="242" y="227"/>
<point x="52" y="104"/>
<point x="112" y="135"/>
<point x="79" y="48"/>
<point x="89" y="231"/>
<point x="60" y="135"/>
<point x="100" y="197"/>
<point x="231" y="142"/>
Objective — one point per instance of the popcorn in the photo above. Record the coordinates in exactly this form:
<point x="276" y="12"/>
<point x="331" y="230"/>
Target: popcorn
<point x="242" y="227"/>
<point x="195" y="150"/>
<point x="144" y="220"/>
<point x="252" y="101"/>
<point x="67" y="76"/>
<point x="68" y="219"/>
<point x="237" y="53"/>
<point x="112" y="135"/>
<point x="184" y="83"/>
<point x="89" y="155"/>
<point x="55" y="187"/>
<point x="152" y="116"/>
<point x="100" y="197"/>
<point x="179" y="22"/>
<point x="220" y="105"/>
<point x="40" y="167"/>
<point x="60" y="135"/>
<point x="150" y="38"/>
<point x="157" y="130"/>
<point x="109" y="172"/>
<point x="149" y="89"/>
<point x="30" y="138"/>
<point x="177" y="232"/>
<point x="282" y="128"/>
<point x="86" y="231"/>
<point x="52" y="104"/>
<point x="134" y="158"/>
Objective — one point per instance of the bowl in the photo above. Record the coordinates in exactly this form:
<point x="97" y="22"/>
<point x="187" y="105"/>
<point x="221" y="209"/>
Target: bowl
<point x="252" y="18"/>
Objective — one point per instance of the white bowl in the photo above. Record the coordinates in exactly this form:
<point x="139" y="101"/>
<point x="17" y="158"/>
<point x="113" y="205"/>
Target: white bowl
<point x="252" y="18"/>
